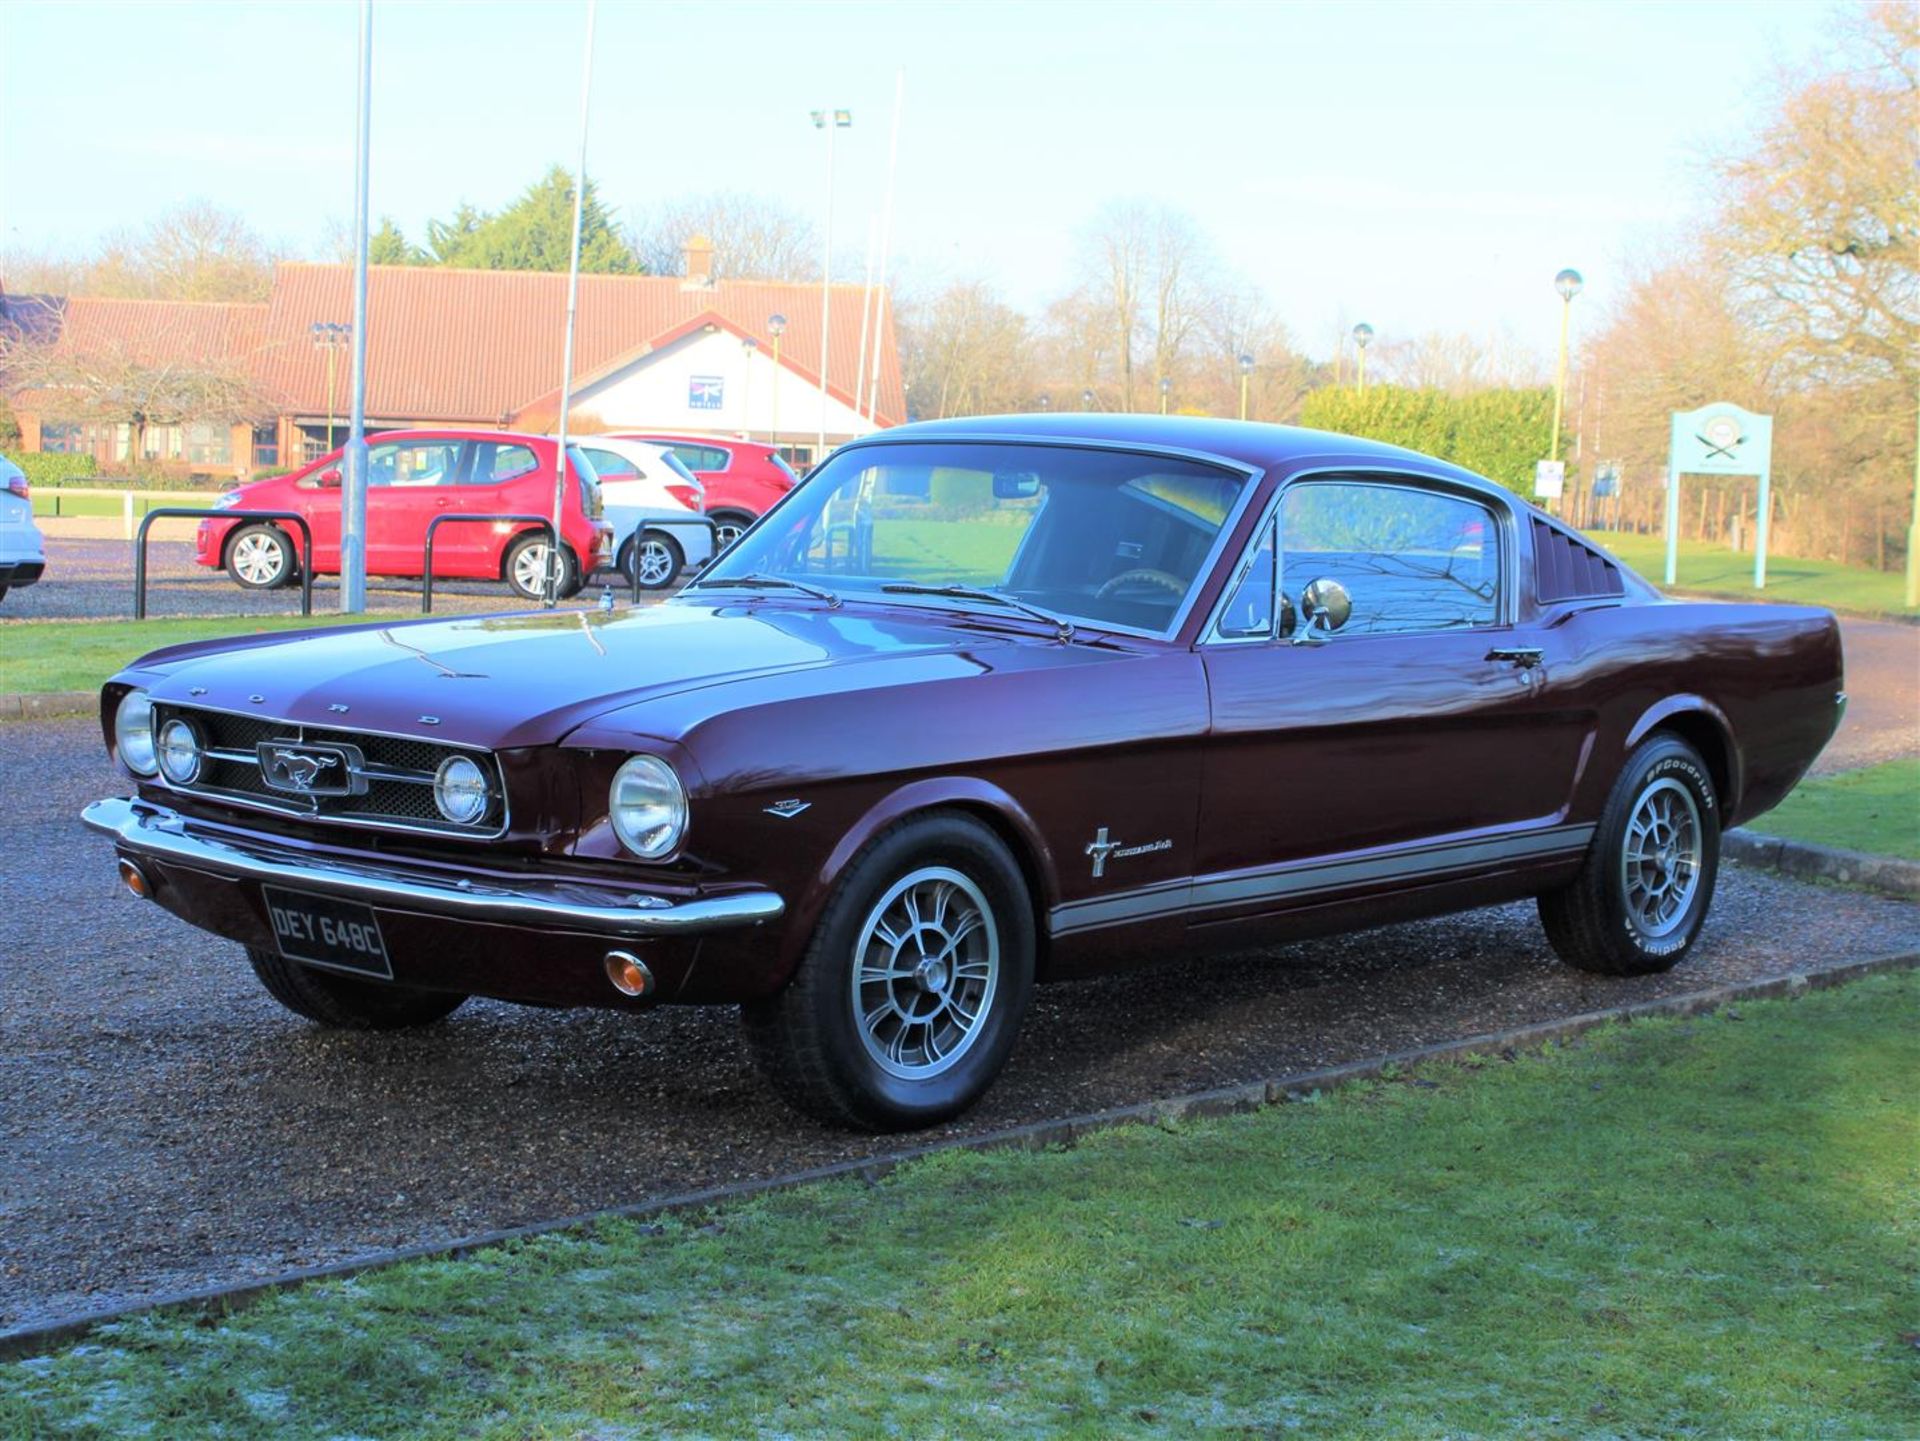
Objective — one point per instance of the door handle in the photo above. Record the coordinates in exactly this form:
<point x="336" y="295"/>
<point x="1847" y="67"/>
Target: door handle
<point x="1527" y="657"/>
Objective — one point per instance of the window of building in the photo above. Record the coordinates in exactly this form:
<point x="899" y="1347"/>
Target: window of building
<point x="1410" y="559"/>
<point x="266" y="447"/>
<point x="209" y="443"/>
<point x="62" y="439"/>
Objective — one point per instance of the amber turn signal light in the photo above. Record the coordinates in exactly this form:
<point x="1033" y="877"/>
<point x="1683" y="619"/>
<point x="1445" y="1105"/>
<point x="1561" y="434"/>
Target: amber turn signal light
<point x="628" y="973"/>
<point x="135" y="880"/>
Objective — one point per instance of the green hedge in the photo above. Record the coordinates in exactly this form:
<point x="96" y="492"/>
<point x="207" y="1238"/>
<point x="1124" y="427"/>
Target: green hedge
<point x="51" y="468"/>
<point x="1495" y="433"/>
<point x="960" y="490"/>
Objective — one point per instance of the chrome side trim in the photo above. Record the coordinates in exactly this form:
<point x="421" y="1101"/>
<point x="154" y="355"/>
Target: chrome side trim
<point x="1416" y="864"/>
<point x="151" y="831"/>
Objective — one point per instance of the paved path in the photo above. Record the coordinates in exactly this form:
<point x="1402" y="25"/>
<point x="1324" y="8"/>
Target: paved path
<point x="166" y="1126"/>
<point x="1883" y="696"/>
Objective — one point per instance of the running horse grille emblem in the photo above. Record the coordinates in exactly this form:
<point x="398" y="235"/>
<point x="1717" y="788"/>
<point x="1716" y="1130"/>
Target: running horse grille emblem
<point x="306" y="770"/>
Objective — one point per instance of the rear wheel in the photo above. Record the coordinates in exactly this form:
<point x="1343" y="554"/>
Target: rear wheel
<point x="908" y="1000"/>
<point x="657" y="558"/>
<point x="727" y="526"/>
<point x="345" y="1003"/>
<point x="526" y="568"/>
<point x="1640" y="899"/>
<point x="260" y="557"/>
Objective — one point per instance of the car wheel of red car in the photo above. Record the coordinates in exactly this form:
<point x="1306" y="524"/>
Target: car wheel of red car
<point x="346" y="1003"/>
<point x="1642" y="895"/>
<point x="908" y="1000"/>
<point x="526" y="568"/>
<point x="657" y="558"/>
<point x="260" y="557"/>
<point x="727" y="527"/>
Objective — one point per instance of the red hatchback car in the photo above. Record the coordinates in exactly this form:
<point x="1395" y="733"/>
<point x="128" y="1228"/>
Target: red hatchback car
<point x="413" y="476"/>
<point x="743" y="477"/>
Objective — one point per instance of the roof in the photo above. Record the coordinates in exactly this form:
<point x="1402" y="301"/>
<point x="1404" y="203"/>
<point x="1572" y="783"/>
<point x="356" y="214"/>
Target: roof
<point x="483" y="346"/>
<point x="158" y="332"/>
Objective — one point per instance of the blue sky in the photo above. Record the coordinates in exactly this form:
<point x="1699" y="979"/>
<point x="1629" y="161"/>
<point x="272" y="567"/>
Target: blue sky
<point x="1423" y="167"/>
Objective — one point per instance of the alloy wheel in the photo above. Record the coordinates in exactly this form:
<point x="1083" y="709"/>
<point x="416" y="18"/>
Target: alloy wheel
<point x="1660" y="861"/>
<point x="926" y="970"/>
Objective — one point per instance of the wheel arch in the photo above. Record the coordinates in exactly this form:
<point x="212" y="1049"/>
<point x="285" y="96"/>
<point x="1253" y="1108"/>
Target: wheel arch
<point x="1704" y="726"/>
<point x="970" y="796"/>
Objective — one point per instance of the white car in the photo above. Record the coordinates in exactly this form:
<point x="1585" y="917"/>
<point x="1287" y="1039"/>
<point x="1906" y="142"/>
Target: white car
<point x="22" y="553"/>
<point x="654" y="504"/>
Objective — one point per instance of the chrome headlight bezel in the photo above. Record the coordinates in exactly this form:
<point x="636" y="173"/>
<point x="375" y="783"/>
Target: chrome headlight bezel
<point x="133" y="739"/>
<point x="167" y="748"/>
<point x="458" y="783"/>
<point x="647" y="807"/>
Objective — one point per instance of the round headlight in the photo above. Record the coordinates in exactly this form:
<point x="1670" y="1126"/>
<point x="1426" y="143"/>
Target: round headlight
<point x="133" y="733"/>
<point x="460" y="790"/>
<point x="179" y="752"/>
<point x="648" y="807"/>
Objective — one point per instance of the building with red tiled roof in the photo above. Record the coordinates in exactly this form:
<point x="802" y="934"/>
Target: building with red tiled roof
<point x="688" y="354"/>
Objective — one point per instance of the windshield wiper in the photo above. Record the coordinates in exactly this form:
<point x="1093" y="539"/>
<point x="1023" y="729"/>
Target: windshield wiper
<point x="760" y="580"/>
<point x="1061" y="625"/>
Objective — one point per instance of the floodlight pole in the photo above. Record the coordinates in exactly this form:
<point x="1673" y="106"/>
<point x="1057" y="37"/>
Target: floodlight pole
<point x="353" y="495"/>
<point x="1913" y="528"/>
<point x="552" y="589"/>
<point x="886" y="242"/>
<point x="828" y="120"/>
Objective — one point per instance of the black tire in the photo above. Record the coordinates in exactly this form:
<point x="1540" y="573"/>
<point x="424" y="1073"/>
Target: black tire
<point x="663" y="552"/>
<point x="1602" y="923"/>
<point x="345" y="1003"/>
<point x="814" y="1049"/>
<point x="727" y="526"/>
<point x="261" y="557"/>
<point x="515" y="568"/>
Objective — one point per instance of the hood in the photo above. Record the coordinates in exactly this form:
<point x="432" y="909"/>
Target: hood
<point x="528" y="679"/>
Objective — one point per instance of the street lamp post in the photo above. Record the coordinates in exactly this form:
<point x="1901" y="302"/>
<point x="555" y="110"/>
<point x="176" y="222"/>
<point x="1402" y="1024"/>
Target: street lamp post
<point x="1046" y="402"/>
<point x="1568" y="283"/>
<point x="1363" y="337"/>
<point x="748" y="347"/>
<point x="1246" y="373"/>
<point x="776" y="327"/>
<point x="331" y="336"/>
<point x="1166" y="389"/>
<point x="1086" y="398"/>
<point x="829" y="121"/>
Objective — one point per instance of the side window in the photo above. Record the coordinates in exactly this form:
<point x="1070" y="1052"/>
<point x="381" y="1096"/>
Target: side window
<point x="496" y="464"/>
<point x="1248" y="613"/>
<point x="414" y="463"/>
<point x="1410" y="559"/>
<point x="702" y="457"/>
<point x="609" y="466"/>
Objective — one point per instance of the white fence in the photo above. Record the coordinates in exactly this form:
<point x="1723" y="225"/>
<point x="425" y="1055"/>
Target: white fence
<point x="100" y="503"/>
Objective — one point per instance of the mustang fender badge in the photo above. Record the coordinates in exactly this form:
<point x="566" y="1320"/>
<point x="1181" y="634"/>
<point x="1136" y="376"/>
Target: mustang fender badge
<point x="1102" y="850"/>
<point x="787" y="810"/>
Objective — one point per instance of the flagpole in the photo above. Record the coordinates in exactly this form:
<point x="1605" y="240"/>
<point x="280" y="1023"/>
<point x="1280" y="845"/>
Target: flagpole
<point x="353" y="508"/>
<point x="866" y="308"/>
<point x="573" y="301"/>
<point x="886" y="243"/>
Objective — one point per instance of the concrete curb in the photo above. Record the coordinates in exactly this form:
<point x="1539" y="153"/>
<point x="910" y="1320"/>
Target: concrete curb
<point x="34" y="705"/>
<point x="1887" y="874"/>
<point x="1039" y="1135"/>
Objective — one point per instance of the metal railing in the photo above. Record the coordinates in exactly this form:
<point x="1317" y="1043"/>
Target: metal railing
<point x="183" y="512"/>
<point x="123" y="503"/>
<point x="545" y="522"/>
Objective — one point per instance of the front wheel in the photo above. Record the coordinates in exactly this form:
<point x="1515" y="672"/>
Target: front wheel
<point x="652" y="560"/>
<point x="1642" y="895"/>
<point x="344" y="1003"/>
<point x="526" y="568"/>
<point x="907" y="1002"/>
<point x="260" y="557"/>
<point x="728" y="526"/>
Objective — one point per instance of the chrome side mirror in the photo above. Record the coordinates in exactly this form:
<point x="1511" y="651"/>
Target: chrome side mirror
<point x="1325" y="606"/>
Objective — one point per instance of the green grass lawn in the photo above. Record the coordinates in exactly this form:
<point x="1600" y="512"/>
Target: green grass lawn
<point x="1876" y="809"/>
<point x="80" y="654"/>
<point x="72" y="502"/>
<point x="1715" y="570"/>
<point x="1703" y="1228"/>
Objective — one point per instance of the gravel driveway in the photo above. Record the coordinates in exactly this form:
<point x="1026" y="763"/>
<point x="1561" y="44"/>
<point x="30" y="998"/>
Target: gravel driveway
<point x="167" y="1126"/>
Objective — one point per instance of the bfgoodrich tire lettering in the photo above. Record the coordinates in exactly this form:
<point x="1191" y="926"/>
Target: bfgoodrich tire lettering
<point x="1642" y="895"/>
<point x="344" y="1003"/>
<point x="907" y="1002"/>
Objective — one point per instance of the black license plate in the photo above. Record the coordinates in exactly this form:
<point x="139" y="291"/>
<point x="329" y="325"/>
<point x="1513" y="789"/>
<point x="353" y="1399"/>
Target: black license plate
<point x="323" y="931"/>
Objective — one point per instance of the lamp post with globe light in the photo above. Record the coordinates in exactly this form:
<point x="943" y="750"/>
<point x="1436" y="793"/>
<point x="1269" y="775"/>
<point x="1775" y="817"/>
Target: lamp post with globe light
<point x="1166" y="389"/>
<point x="1086" y="398"/>
<point x="1568" y="284"/>
<point x="1246" y="373"/>
<point x="776" y="327"/>
<point x="1363" y="337"/>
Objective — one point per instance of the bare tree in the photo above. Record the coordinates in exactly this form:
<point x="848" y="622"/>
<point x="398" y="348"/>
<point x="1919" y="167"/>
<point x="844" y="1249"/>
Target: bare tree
<point x="964" y="352"/>
<point x="754" y="237"/>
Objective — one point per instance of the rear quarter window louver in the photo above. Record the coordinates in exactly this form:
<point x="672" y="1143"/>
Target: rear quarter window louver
<point x="1568" y="569"/>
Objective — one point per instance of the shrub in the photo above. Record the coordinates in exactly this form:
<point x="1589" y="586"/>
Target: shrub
<point x="1495" y="433"/>
<point x="51" y="468"/>
<point x="959" y="491"/>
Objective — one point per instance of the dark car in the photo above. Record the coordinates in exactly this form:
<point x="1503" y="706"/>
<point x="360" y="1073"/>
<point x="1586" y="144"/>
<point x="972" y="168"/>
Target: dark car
<point x="981" y="703"/>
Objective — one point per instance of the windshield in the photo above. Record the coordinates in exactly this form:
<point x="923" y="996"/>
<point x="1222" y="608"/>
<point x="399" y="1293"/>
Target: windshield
<point x="1109" y="538"/>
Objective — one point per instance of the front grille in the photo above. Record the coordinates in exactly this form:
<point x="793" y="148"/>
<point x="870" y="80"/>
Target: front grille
<point x="393" y="783"/>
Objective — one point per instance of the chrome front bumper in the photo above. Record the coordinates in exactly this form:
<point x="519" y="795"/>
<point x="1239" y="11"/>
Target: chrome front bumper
<point x="141" y="829"/>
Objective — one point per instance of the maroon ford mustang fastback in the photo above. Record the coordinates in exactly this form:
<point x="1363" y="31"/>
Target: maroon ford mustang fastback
<point x="982" y="703"/>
